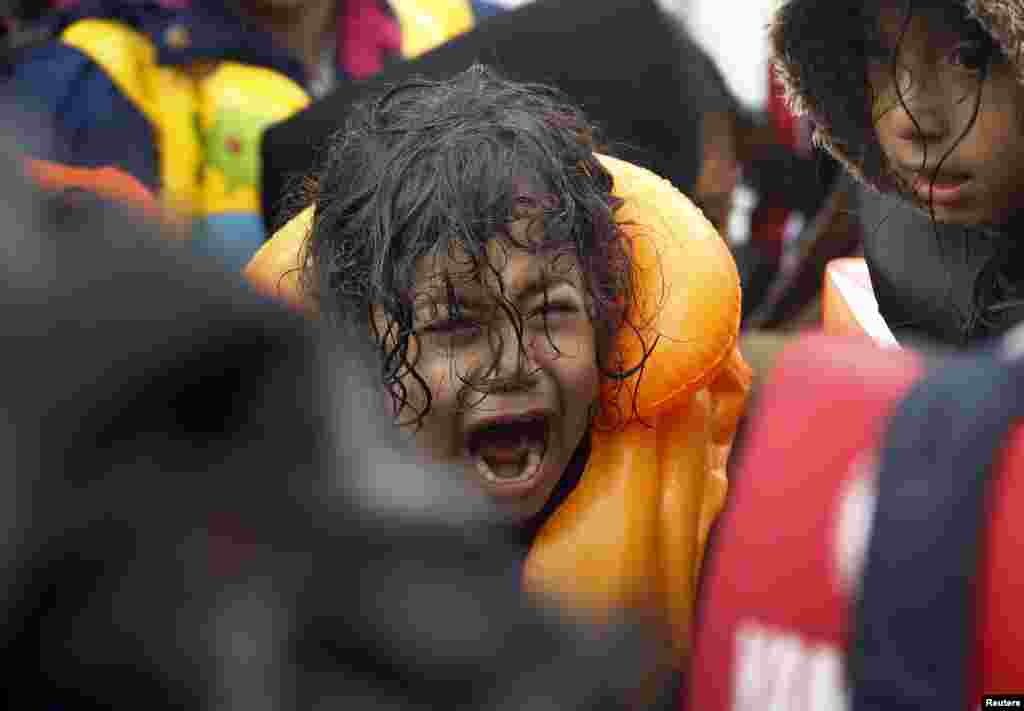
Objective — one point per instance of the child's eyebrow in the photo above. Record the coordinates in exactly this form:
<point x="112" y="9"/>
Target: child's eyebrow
<point x="440" y="301"/>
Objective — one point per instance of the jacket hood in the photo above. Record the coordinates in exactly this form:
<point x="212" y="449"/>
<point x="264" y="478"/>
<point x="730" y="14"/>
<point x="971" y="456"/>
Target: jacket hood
<point x="1004" y="20"/>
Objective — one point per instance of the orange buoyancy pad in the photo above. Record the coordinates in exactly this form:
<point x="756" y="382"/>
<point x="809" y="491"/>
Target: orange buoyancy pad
<point x="277" y="267"/>
<point x="631" y="535"/>
<point x="688" y="293"/>
<point x="610" y="563"/>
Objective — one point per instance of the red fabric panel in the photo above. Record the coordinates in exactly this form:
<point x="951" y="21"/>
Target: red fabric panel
<point x="772" y="624"/>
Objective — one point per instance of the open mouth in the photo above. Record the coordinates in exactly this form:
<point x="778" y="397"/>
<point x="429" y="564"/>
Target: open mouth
<point x="509" y="450"/>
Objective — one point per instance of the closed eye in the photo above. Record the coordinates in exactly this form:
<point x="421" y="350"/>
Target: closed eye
<point x="457" y="326"/>
<point x="972" y="55"/>
<point x="549" y="308"/>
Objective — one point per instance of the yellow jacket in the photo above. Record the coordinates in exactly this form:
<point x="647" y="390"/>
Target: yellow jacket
<point x="180" y="99"/>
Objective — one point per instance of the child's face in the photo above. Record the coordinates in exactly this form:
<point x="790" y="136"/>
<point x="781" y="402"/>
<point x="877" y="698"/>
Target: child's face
<point x="938" y="72"/>
<point x="508" y="411"/>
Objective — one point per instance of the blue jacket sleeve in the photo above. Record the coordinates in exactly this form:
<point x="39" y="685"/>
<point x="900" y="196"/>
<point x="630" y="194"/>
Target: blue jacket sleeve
<point x="482" y="9"/>
<point x="92" y="121"/>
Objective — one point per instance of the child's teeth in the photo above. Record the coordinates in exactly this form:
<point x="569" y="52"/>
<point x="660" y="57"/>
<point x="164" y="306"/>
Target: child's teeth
<point x="509" y="471"/>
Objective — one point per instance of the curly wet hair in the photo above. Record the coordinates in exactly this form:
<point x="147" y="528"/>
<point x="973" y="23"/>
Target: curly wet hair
<point x="431" y="168"/>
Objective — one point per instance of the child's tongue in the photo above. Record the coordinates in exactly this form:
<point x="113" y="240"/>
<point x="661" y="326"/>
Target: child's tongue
<point x="507" y="453"/>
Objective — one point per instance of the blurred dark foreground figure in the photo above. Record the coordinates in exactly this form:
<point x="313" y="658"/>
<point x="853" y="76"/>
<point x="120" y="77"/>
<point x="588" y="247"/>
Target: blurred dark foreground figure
<point x="199" y="514"/>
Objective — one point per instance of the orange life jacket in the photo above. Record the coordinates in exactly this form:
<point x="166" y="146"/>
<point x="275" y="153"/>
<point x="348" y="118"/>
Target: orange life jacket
<point x="631" y="535"/>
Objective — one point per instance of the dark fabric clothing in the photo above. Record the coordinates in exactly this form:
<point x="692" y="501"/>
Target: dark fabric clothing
<point x="939" y="284"/>
<point x="648" y="100"/>
<point x="190" y="511"/>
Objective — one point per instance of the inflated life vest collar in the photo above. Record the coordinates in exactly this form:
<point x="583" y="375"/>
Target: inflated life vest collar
<point x="688" y="301"/>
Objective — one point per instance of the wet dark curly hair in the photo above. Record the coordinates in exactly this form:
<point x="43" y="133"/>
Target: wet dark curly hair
<point x="433" y="168"/>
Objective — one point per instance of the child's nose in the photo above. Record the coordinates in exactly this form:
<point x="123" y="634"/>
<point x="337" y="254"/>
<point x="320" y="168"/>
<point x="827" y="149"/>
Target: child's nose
<point x="513" y="366"/>
<point x="922" y="126"/>
<point x="922" y="113"/>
